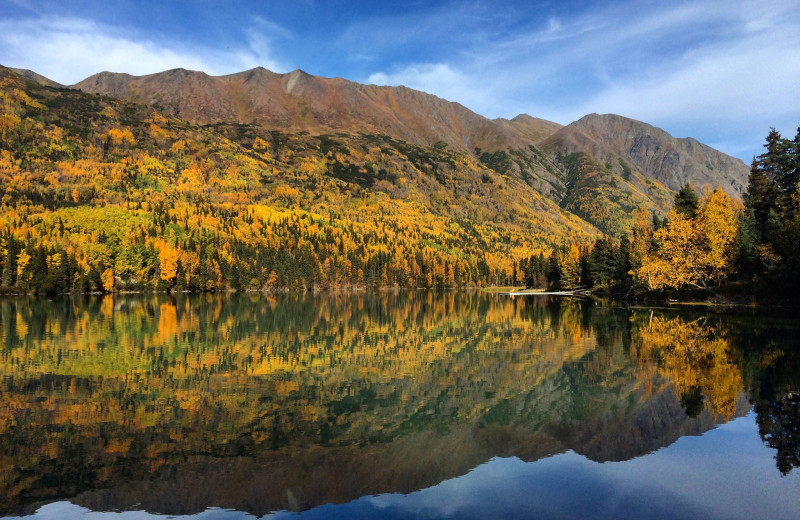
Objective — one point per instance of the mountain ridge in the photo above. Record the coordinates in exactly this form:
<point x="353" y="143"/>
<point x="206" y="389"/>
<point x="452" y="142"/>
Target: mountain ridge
<point x="603" y="168"/>
<point x="672" y="161"/>
<point x="38" y="78"/>
<point x="298" y="101"/>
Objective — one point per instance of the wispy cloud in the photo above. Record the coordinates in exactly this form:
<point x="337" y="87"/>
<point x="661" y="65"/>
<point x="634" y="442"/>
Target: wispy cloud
<point x="70" y="49"/>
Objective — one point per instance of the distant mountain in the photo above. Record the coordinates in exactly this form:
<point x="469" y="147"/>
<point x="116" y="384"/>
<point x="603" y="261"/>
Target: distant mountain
<point x="530" y="128"/>
<point x="614" y="140"/>
<point x="298" y="101"/>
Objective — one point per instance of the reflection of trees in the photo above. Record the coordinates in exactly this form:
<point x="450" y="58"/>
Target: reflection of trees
<point x="140" y="381"/>
<point x="774" y="384"/>
<point x="698" y="359"/>
<point x="779" y="425"/>
<point x="136" y="385"/>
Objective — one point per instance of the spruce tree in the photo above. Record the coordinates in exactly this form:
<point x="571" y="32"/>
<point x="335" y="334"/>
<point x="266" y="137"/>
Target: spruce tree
<point x="762" y="197"/>
<point x="686" y="202"/>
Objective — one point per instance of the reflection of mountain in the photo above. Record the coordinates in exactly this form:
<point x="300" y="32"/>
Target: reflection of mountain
<point x="306" y="477"/>
<point x="258" y="403"/>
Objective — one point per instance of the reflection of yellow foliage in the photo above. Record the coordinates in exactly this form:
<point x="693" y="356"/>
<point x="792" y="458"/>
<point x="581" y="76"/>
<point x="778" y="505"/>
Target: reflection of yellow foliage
<point x="107" y="306"/>
<point x="693" y="355"/>
<point x="167" y="322"/>
<point x="284" y="388"/>
<point x="117" y="446"/>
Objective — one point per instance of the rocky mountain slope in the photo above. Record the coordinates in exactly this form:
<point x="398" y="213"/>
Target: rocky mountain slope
<point x="134" y="198"/>
<point x="298" y="101"/>
<point x="38" y="78"/>
<point x="615" y="140"/>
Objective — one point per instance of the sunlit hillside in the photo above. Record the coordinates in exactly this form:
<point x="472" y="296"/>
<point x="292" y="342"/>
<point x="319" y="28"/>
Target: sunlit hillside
<point x="99" y="194"/>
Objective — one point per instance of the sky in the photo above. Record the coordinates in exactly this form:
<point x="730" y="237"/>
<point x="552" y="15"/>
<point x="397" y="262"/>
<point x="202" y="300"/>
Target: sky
<point x="721" y="71"/>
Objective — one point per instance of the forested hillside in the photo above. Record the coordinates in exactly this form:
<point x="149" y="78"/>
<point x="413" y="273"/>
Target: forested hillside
<point x="601" y="167"/>
<point x="103" y="195"/>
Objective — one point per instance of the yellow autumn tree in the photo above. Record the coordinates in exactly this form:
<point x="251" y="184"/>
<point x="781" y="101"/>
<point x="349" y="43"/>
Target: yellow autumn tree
<point x="693" y="252"/>
<point x="571" y="268"/>
<point x="168" y="262"/>
<point x="107" y="278"/>
<point x="120" y="136"/>
<point x="22" y="263"/>
<point x="718" y="225"/>
<point x="641" y="238"/>
<point x="678" y="260"/>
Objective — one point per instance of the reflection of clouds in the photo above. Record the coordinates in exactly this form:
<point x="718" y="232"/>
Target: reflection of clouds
<point x="495" y="483"/>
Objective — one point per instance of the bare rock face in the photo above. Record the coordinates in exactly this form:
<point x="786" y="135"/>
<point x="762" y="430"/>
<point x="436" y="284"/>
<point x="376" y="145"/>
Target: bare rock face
<point x="652" y="151"/>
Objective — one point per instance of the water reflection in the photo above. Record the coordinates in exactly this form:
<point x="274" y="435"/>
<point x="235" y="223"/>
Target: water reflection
<point x="259" y="403"/>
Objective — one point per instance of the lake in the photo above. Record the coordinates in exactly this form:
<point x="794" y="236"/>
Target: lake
<point x="409" y="405"/>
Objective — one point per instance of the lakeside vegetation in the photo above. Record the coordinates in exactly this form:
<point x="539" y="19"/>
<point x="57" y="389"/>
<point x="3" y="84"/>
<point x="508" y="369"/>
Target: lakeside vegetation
<point x="714" y="246"/>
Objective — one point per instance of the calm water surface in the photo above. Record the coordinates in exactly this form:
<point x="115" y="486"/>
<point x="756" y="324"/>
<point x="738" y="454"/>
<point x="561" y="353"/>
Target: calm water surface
<point x="455" y="405"/>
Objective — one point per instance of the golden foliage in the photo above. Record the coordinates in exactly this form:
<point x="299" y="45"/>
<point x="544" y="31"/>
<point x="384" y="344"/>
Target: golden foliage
<point x="693" y="252"/>
<point x="107" y="279"/>
<point x="695" y="355"/>
<point x="158" y="200"/>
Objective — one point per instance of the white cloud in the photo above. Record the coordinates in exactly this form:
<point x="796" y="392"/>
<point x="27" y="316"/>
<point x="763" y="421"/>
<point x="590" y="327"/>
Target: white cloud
<point x="67" y="50"/>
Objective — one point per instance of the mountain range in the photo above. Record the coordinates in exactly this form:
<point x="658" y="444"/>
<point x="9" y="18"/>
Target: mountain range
<point x="260" y="179"/>
<point x="634" y="155"/>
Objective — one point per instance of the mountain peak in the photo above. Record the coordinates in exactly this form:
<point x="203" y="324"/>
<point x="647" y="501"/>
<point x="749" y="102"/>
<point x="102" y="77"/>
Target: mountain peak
<point x="530" y="128"/>
<point x="615" y="139"/>
<point x="295" y="79"/>
<point x="298" y="72"/>
<point x="180" y="71"/>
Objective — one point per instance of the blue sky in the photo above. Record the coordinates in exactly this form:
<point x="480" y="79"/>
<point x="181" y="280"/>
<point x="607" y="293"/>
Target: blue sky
<point x="723" y="72"/>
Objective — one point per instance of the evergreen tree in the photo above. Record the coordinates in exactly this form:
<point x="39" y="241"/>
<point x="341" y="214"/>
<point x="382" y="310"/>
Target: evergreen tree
<point x="686" y="203"/>
<point x="553" y="272"/>
<point x="603" y="262"/>
<point x="13" y="248"/>
<point x="744" y="246"/>
<point x="761" y="198"/>
<point x="622" y="275"/>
